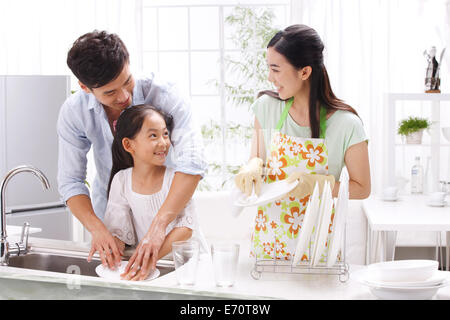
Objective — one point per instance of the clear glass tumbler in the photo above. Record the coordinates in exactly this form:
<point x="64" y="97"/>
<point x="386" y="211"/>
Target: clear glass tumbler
<point x="225" y="257"/>
<point x="186" y="256"/>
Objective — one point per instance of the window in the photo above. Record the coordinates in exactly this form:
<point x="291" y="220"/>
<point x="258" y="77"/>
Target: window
<point x="197" y="46"/>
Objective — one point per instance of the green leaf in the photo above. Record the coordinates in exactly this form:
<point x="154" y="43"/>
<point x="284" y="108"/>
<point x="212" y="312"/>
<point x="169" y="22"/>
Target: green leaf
<point x="412" y="124"/>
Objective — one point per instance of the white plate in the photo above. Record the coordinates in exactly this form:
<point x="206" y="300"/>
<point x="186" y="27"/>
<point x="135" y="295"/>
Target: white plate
<point x="269" y="192"/>
<point x="398" y="292"/>
<point x="105" y="272"/>
<point x="420" y="293"/>
<point x="438" y="278"/>
<point x="437" y="204"/>
<point x="340" y="217"/>
<point x="309" y="221"/>
<point x="326" y="205"/>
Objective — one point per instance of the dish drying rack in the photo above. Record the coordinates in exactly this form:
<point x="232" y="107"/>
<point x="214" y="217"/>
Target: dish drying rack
<point x="279" y="266"/>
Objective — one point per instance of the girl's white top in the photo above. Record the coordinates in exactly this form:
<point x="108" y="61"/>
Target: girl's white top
<point x="129" y="214"/>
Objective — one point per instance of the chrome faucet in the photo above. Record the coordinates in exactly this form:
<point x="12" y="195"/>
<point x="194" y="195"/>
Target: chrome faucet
<point x="20" y="248"/>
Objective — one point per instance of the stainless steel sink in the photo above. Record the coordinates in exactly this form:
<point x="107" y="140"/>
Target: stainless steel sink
<point x="66" y="263"/>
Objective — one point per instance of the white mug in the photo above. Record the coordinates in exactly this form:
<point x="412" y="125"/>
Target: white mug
<point x="438" y="197"/>
<point x="390" y="193"/>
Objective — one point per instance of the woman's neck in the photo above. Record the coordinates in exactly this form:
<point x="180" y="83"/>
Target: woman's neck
<point x="300" y="107"/>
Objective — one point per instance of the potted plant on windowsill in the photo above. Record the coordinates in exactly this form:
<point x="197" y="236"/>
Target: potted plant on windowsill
<point x="412" y="129"/>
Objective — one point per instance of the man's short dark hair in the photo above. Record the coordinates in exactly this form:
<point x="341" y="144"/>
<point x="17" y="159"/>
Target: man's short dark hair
<point x="96" y="58"/>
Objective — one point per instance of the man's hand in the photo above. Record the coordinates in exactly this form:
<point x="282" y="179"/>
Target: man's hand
<point x="109" y="252"/>
<point x="144" y="258"/>
<point x="120" y="245"/>
<point x="102" y="240"/>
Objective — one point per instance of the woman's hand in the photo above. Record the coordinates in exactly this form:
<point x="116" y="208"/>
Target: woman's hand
<point x="146" y="254"/>
<point x="249" y="174"/>
<point x="106" y="245"/>
<point x="306" y="183"/>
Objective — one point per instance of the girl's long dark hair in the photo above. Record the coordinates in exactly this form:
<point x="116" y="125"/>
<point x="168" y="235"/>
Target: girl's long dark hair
<point x="128" y="126"/>
<point x="302" y="46"/>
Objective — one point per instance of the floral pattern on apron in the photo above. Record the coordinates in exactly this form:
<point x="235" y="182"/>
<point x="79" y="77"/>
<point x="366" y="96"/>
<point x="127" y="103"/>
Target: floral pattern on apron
<point x="278" y="224"/>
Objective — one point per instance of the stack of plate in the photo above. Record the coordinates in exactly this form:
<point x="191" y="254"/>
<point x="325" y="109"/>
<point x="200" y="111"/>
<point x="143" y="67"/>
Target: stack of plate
<point x="403" y="279"/>
<point x="325" y="246"/>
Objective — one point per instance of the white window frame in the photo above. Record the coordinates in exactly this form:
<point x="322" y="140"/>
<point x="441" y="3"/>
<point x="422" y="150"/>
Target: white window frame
<point x="221" y="5"/>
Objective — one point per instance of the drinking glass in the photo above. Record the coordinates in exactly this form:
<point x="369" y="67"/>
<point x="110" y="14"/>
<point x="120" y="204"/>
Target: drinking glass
<point x="185" y="256"/>
<point x="225" y="257"/>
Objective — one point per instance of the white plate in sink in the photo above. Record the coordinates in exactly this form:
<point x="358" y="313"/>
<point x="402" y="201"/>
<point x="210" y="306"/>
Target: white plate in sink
<point x="105" y="272"/>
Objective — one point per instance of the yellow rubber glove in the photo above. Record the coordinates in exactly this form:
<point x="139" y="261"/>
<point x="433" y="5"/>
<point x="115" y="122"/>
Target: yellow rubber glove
<point x="306" y="183"/>
<point x="248" y="175"/>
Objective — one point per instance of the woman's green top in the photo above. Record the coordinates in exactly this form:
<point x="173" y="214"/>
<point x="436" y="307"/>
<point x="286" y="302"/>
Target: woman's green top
<point x="343" y="129"/>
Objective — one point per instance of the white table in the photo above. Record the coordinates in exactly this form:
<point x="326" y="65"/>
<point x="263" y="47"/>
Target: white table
<point x="409" y="213"/>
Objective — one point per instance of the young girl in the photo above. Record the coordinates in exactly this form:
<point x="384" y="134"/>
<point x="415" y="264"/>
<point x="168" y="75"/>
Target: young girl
<point x="139" y="183"/>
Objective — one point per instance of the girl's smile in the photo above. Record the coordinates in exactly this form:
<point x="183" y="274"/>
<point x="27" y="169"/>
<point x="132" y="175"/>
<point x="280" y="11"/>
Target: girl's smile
<point x="151" y="144"/>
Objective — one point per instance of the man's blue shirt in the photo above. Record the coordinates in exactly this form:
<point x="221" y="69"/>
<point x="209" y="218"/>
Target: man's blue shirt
<point x="83" y="124"/>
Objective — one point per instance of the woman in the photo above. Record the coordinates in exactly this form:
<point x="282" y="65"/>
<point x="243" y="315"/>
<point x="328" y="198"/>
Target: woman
<point x="307" y="134"/>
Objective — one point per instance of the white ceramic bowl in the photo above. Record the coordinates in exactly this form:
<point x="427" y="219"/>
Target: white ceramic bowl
<point x="403" y="270"/>
<point x="404" y="294"/>
<point x="446" y="133"/>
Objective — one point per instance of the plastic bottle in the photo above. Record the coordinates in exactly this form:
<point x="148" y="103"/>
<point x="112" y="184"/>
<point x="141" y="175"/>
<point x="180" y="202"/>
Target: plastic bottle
<point x="417" y="177"/>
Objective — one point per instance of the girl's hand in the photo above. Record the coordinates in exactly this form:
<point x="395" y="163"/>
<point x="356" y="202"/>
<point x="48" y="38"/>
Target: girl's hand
<point x="145" y="256"/>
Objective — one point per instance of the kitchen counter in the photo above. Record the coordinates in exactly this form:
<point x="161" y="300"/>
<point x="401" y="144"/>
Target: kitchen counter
<point x="34" y="284"/>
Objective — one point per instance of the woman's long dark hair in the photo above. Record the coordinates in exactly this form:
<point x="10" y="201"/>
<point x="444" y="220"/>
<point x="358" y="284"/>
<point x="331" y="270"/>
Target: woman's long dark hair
<point x="302" y="46"/>
<point x="128" y="126"/>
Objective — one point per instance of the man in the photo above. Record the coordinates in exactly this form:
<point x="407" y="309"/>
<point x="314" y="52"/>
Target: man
<point x="100" y="61"/>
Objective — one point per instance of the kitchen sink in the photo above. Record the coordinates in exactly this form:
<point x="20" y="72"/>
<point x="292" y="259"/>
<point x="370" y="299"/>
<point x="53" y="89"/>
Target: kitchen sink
<point x="66" y="263"/>
<point x="71" y="261"/>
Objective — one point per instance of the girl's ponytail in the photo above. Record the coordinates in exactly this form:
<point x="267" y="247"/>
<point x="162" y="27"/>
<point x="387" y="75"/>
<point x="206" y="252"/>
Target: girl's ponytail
<point x="121" y="160"/>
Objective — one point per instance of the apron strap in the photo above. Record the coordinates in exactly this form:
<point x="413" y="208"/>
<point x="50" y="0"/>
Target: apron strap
<point x="284" y="114"/>
<point x="323" y="122"/>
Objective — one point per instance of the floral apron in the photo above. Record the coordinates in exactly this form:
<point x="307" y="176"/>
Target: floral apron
<point x="278" y="224"/>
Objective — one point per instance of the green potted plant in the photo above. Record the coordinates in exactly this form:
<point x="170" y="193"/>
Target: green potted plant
<point x="412" y="129"/>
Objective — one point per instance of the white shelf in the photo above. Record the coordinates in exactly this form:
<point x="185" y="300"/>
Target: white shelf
<point x="435" y="144"/>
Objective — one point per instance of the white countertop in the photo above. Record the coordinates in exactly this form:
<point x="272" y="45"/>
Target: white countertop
<point x="270" y="286"/>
